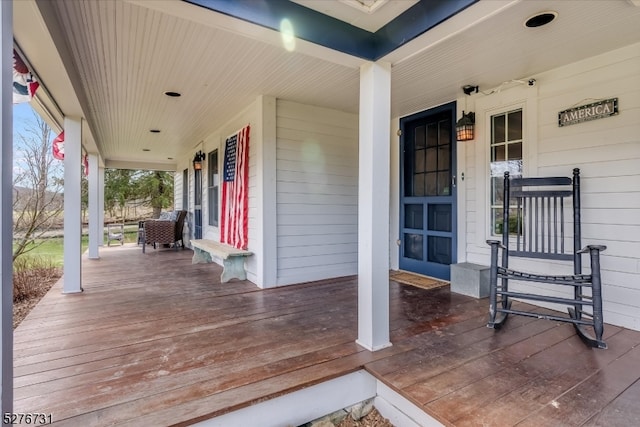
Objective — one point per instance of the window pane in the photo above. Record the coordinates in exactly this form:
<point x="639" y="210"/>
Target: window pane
<point x="515" y="151"/>
<point x="498" y="128"/>
<point x="420" y="137"/>
<point x="439" y="249"/>
<point x="439" y="217"/>
<point x="431" y="184"/>
<point x="498" y="153"/>
<point x="413" y="246"/>
<point x="413" y="216"/>
<point x="498" y="190"/>
<point x="432" y="135"/>
<point x="443" y="157"/>
<point x="515" y="125"/>
<point x="444" y="182"/>
<point x="213" y="182"/>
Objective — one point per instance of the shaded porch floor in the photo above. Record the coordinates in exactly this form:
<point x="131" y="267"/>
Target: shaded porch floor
<point x="154" y="340"/>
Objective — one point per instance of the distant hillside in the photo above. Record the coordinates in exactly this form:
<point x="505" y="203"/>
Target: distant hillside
<point x="22" y="196"/>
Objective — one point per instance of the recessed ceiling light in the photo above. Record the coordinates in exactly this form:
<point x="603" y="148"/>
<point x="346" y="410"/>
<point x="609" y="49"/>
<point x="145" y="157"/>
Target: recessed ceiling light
<point x="173" y="94"/>
<point x="154" y="130"/>
<point x="540" y="19"/>
<point x="146" y="149"/>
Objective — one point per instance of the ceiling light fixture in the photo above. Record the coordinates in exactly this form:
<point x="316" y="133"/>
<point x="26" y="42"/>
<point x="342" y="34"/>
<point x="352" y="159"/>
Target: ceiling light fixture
<point x="540" y="19"/>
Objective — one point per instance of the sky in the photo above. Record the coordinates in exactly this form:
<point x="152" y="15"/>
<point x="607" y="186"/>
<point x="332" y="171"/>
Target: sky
<point x="22" y="116"/>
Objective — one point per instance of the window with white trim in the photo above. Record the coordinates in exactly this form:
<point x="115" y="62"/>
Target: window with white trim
<point x="213" y="182"/>
<point x="506" y="155"/>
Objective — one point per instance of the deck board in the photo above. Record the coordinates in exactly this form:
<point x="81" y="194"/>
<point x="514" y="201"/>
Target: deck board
<point x="155" y="340"/>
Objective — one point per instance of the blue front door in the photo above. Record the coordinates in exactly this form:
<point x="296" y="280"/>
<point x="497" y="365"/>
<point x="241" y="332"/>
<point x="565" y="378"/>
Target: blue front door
<point x="428" y="192"/>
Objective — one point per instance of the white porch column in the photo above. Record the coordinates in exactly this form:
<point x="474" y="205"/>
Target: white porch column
<point x="100" y="205"/>
<point x="6" y="199"/>
<point x="72" y="205"/>
<point x="265" y="152"/>
<point x="373" y="206"/>
<point x="94" y="207"/>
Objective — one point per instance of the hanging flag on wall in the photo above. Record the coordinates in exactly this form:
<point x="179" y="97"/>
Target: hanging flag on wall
<point x="234" y="224"/>
<point x="24" y="83"/>
<point x="58" y="147"/>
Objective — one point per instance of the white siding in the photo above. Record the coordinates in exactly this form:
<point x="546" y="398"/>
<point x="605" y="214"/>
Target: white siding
<point x="607" y="151"/>
<point x="317" y="193"/>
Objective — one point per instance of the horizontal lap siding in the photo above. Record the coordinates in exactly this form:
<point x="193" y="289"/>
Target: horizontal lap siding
<point x="317" y="192"/>
<point x="607" y="151"/>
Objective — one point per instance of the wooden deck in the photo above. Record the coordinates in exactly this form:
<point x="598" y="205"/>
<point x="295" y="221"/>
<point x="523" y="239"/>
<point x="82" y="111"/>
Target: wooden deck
<point x="157" y="341"/>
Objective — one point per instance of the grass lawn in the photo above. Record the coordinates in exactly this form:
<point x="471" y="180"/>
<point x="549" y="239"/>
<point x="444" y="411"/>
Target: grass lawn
<point x="52" y="248"/>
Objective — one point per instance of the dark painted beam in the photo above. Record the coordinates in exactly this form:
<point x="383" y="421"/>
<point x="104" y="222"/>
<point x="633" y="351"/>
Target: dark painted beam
<point x="326" y="31"/>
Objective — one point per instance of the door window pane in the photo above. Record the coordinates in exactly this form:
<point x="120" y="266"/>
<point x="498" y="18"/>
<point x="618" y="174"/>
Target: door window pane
<point x="439" y="217"/>
<point x="432" y="160"/>
<point x="431" y="184"/>
<point x="432" y="135"/>
<point x="418" y="185"/>
<point x="413" y="246"/>
<point x="413" y="216"/>
<point x="444" y="157"/>
<point x="444" y="182"/>
<point x="420" y="136"/>
<point x="439" y="249"/>
<point x="420" y="161"/>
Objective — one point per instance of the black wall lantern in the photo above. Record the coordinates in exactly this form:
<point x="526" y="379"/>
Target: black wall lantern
<point x="198" y="159"/>
<point x="464" y="126"/>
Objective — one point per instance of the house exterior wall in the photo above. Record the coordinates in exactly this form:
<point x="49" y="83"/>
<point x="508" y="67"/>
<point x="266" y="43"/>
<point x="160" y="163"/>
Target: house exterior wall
<point x="607" y="151"/>
<point x="317" y="193"/>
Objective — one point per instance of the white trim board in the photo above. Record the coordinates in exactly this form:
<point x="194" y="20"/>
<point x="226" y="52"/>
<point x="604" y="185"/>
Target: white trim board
<point x="325" y="398"/>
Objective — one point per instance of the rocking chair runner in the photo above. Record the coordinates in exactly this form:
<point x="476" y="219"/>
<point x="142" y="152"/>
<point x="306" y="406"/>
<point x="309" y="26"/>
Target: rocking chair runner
<point x="537" y="226"/>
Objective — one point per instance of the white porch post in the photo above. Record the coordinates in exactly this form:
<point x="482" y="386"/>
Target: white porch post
<point x="72" y="205"/>
<point x="100" y="205"/>
<point x="373" y="206"/>
<point x="6" y="197"/>
<point x="94" y="206"/>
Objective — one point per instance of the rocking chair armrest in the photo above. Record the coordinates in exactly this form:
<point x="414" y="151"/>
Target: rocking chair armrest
<point x="587" y="249"/>
<point x="496" y="242"/>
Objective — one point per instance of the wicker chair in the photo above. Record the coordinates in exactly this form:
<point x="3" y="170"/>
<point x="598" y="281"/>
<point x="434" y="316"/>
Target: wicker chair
<point x="165" y="232"/>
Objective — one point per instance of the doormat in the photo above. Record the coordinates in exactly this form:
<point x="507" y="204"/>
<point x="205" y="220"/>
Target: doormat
<point x="416" y="280"/>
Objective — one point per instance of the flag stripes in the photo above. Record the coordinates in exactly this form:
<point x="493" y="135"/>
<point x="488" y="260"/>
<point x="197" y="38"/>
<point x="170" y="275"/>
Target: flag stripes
<point x="234" y="224"/>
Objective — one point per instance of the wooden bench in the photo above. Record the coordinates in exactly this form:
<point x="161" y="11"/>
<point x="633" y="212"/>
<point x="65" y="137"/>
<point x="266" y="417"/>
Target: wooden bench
<point x="232" y="259"/>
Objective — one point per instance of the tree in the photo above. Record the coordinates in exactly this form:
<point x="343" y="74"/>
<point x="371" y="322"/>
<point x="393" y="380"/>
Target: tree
<point x="139" y="188"/>
<point x="37" y="183"/>
<point x="155" y="188"/>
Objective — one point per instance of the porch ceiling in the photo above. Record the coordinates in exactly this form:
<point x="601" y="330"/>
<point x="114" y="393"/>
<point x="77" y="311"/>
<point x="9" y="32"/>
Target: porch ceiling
<point x="111" y="61"/>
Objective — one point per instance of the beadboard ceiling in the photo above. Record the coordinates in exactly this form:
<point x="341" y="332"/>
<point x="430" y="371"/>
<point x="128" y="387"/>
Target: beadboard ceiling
<point x="111" y="61"/>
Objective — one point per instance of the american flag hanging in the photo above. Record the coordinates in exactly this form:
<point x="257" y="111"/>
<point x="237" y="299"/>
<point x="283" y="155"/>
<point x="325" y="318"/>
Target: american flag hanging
<point x="234" y="224"/>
